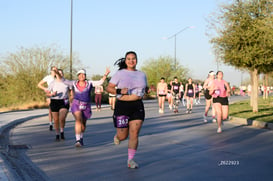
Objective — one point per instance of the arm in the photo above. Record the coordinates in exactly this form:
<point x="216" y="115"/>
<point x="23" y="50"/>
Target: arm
<point x="228" y="89"/>
<point x="193" y="90"/>
<point x="100" y="82"/>
<point x="186" y="90"/>
<point x="40" y="85"/>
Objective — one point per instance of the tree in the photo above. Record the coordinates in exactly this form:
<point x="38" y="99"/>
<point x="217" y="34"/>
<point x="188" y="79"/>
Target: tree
<point x="163" y="67"/>
<point x="245" y="38"/>
<point x="21" y="72"/>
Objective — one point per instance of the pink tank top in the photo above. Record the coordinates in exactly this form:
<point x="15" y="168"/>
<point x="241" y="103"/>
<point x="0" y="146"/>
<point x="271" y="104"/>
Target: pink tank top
<point x="220" y="89"/>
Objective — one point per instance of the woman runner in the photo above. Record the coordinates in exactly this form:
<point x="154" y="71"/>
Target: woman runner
<point x="81" y="105"/>
<point x="162" y="90"/>
<point x="129" y="112"/>
<point x="220" y="92"/>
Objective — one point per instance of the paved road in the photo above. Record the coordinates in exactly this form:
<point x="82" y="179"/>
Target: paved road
<point x="172" y="147"/>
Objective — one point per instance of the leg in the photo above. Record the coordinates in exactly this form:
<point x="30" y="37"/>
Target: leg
<point x="134" y="129"/>
<point x="99" y="100"/>
<point x="62" y="117"/>
<point x="56" y="123"/>
<point x="218" y="110"/>
<point x="162" y="103"/>
<point x="225" y="111"/>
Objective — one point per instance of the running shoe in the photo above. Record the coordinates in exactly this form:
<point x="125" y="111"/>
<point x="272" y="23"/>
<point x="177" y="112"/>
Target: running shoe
<point x="187" y="112"/>
<point x="62" y="135"/>
<point x="81" y="140"/>
<point x="219" y="130"/>
<point x="214" y="120"/>
<point x="132" y="164"/>
<point x="170" y="106"/>
<point x="205" y="118"/>
<point x="57" y="137"/>
<point x="50" y="127"/>
<point x="190" y="111"/>
<point x="78" y="143"/>
<point x="116" y="140"/>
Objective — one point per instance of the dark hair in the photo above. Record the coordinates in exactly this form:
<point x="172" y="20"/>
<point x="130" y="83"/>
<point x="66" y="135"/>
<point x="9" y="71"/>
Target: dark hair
<point x="162" y="78"/>
<point x="121" y="62"/>
<point x="219" y="71"/>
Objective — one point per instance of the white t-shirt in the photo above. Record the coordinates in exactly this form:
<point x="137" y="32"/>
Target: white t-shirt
<point x="48" y="79"/>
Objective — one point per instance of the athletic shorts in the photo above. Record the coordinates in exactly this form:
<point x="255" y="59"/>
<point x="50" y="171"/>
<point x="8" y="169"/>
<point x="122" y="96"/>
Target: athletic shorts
<point x="207" y="95"/>
<point x="190" y="94"/>
<point x="57" y="104"/>
<point x="84" y="107"/>
<point x="197" y="94"/>
<point x="162" y="95"/>
<point x="222" y="100"/>
<point x="133" y="110"/>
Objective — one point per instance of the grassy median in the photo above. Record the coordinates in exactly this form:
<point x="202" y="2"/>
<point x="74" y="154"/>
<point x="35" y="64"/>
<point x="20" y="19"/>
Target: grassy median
<point x="243" y="109"/>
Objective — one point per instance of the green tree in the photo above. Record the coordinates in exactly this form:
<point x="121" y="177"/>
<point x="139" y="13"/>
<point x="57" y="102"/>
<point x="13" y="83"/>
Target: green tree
<point x="163" y="67"/>
<point x="21" y="72"/>
<point x="244" y="38"/>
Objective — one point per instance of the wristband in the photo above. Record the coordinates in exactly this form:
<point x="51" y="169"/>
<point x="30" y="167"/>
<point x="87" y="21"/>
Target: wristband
<point x="118" y="91"/>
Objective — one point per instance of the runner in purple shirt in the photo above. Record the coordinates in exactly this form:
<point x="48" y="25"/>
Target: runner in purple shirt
<point x="81" y="105"/>
<point x="130" y="85"/>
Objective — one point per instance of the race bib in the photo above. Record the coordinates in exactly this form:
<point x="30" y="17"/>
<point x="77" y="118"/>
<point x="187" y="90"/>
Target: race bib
<point x="217" y="92"/>
<point x="122" y="121"/>
<point x="190" y="91"/>
<point x="82" y="106"/>
<point x="66" y="101"/>
<point x="137" y="91"/>
<point x="161" y="92"/>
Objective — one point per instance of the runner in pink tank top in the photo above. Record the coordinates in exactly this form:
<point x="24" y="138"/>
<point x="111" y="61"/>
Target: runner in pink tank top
<point x="220" y="93"/>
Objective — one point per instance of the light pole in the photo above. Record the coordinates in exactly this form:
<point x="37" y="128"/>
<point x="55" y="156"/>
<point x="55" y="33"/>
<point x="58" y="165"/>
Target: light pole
<point x="174" y="36"/>
<point x="71" y="25"/>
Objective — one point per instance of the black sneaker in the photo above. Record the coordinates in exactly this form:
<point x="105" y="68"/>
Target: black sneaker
<point x="81" y="140"/>
<point x="50" y="127"/>
<point x="62" y="135"/>
<point x="57" y="137"/>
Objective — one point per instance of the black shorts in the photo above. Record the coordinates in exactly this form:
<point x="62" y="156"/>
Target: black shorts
<point x="162" y="95"/>
<point x="133" y="109"/>
<point x="57" y="104"/>
<point x="207" y="95"/>
<point x="222" y="100"/>
<point x="197" y="94"/>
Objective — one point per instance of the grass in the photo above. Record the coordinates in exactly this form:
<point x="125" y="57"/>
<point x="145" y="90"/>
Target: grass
<point x="243" y="109"/>
<point x="26" y="106"/>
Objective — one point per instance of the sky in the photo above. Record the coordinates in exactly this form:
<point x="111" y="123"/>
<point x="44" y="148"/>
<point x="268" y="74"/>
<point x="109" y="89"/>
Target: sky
<point x="104" y="30"/>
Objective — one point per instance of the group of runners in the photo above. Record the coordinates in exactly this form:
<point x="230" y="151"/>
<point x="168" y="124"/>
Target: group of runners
<point x="126" y="89"/>
<point x="175" y="93"/>
<point x="216" y="92"/>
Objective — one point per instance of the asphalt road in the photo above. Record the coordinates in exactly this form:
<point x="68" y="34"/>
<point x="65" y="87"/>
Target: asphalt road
<point x="171" y="147"/>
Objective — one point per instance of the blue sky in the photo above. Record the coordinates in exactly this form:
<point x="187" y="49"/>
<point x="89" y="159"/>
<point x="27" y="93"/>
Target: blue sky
<point x="103" y="30"/>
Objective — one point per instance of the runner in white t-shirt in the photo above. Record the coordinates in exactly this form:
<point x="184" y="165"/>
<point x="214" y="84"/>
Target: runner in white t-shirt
<point x="48" y="80"/>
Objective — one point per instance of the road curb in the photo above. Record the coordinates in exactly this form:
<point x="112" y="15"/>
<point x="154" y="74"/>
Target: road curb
<point x="254" y="123"/>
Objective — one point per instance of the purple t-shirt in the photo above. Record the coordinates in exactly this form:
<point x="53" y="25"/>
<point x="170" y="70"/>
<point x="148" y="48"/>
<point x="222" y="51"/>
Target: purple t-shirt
<point x="85" y="95"/>
<point x="135" y="81"/>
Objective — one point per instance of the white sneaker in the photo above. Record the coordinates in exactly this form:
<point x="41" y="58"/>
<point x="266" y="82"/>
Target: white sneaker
<point x="219" y="130"/>
<point x="205" y="118"/>
<point x="170" y="106"/>
<point x="132" y="164"/>
<point x="116" y="140"/>
<point x="214" y="120"/>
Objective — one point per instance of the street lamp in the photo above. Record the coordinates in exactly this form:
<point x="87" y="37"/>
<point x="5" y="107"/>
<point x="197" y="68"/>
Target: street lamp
<point x="174" y="36"/>
<point x="71" y="21"/>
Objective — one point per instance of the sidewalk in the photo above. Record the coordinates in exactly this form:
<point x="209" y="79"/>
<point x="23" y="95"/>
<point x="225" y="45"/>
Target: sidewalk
<point x="8" y="119"/>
